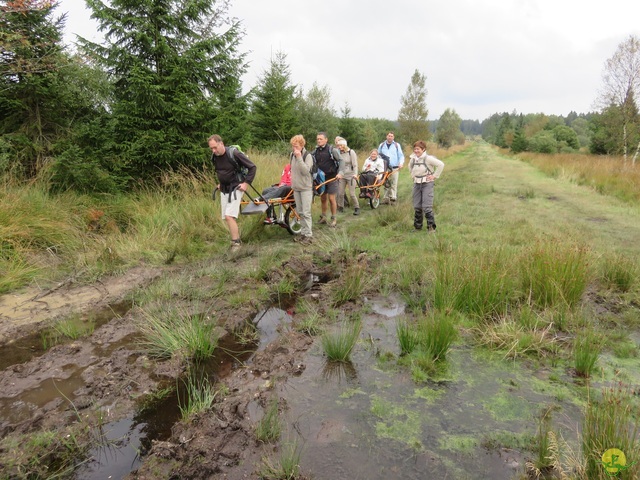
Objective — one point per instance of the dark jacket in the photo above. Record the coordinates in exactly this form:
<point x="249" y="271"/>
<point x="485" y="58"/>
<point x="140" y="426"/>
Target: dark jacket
<point x="227" y="172"/>
<point x="328" y="160"/>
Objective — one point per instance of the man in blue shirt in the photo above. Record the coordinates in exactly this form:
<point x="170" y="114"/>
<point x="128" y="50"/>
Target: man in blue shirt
<point x="392" y="151"/>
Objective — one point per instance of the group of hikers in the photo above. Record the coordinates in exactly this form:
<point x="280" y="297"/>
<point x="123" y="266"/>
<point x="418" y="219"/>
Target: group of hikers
<point x="235" y="172"/>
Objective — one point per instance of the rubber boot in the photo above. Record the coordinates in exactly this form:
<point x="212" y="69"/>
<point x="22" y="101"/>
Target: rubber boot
<point x="431" y="221"/>
<point x="417" y="219"/>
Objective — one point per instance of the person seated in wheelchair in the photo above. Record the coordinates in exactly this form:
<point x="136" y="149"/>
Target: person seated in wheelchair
<point x="372" y="172"/>
<point x="277" y="190"/>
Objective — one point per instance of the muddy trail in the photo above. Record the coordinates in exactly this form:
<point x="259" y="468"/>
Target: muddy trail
<point x="120" y="406"/>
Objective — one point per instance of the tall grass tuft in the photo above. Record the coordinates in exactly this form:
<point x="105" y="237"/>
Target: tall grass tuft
<point x="478" y="285"/>
<point x="554" y="274"/>
<point x="200" y="396"/>
<point x="352" y="284"/>
<point x="269" y="426"/>
<point x="436" y="333"/>
<point x="619" y="272"/>
<point x="286" y="467"/>
<point x="338" y="345"/>
<point x="612" y="421"/>
<point x="586" y="350"/>
<point x="175" y="332"/>
<point x="407" y="336"/>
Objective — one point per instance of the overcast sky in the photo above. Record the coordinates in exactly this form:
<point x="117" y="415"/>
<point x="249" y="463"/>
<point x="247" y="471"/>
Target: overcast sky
<point x="479" y="56"/>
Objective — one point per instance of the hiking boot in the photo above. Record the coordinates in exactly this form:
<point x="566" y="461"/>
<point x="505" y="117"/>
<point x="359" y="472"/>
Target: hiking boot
<point x="306" y="240"/>
<point x="235" y="245"/>
<point x="340" y="209"/>
<point x="323" y="219"/>
<point x="393" y="200"/>
<point x="269" y="221"/>
<point x="385" y="201"/>
<point x="333" y="222"/>
<point x="356" y="211"/>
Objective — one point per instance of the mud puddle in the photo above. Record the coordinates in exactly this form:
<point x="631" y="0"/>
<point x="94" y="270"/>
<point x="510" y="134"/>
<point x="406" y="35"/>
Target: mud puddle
<point x="128" y="440"/>
<point x="369" y="419"/>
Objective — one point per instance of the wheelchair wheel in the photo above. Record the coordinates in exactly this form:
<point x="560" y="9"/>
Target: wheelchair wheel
<point x="374" y="201"/>
<point x="292" y="220"/>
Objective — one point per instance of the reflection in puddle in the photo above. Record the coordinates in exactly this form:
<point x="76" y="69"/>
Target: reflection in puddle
<point x="269" y="323"/>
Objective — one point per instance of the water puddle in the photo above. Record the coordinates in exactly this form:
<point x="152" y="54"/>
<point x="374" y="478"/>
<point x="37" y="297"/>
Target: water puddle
<point x="369" y="419"/>
<point x="32" y="346"/>
<point x="132" y="437"/>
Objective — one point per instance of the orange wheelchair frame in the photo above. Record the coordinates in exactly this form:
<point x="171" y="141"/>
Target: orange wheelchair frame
<point x="372" y="192"/>
<point x="284" y="209"/>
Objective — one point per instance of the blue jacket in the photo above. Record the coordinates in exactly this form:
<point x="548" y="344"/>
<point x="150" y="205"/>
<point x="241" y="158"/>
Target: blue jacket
<point x="393" y="152"/>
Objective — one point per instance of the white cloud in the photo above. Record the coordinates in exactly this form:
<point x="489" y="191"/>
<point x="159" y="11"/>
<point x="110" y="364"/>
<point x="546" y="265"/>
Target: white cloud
<point x="479" y="56"/>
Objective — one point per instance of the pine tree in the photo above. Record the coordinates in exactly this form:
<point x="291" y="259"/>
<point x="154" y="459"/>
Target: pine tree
<point x="412" y="117"/>
<point x="351" y="129"/>
<point x="173" y="76"/>
<point x="274" y="111"/>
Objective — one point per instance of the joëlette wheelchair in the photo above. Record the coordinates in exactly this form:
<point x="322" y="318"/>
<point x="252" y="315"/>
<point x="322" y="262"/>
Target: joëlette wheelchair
<point x="283" y="209"/>
<point x="372" y="192"/>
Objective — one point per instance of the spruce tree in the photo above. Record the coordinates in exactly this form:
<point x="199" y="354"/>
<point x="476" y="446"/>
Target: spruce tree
<point x="274" y="112"/>
<point x="175" y="68"/>
<point x="33" y="109"/>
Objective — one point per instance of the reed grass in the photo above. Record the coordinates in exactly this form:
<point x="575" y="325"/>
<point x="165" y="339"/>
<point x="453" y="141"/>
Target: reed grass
<point x="338" y="345"/>
<point x="436" y="333"/>
<point x="351" y="286"/>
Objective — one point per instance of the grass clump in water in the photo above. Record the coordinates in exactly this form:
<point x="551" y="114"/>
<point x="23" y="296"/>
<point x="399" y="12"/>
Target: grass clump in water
<point x="338" y="345"/>
<point x="269" y="427"/>
<point x="586" y="350"/>
<point x="178" y="333"/>
<point x="286" y="467"/>
<point x="200" y="396"/>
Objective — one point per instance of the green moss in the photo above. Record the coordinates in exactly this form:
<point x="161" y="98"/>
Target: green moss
<point x="506" y="406"/>
<point x="459" y="443"/>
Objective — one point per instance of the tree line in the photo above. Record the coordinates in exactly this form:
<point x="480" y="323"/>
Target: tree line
<point x="166" y="75"/>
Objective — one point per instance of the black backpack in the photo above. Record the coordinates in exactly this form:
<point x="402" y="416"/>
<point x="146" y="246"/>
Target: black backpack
<point x="314" y="168"/>
<point x="240" y="169"/>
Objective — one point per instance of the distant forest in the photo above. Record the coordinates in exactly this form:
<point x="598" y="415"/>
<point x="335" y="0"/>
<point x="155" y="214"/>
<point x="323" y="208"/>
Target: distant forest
<point x="143" y="102"/>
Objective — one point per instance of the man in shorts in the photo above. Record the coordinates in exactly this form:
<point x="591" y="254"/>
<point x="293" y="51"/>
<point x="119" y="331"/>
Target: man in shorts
<point x="231" y="183"/>
<point x="328" y="160"/>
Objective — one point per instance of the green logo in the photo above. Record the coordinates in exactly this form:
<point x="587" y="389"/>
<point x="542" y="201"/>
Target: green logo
<point x="614" y="461"/>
